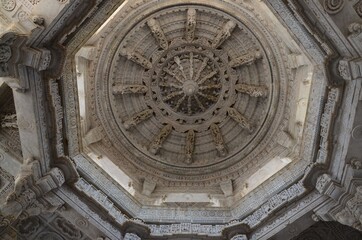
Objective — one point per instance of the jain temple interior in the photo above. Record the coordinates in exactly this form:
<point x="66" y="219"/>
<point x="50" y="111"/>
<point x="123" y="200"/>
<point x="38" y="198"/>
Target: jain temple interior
<point x="181" y="119"/>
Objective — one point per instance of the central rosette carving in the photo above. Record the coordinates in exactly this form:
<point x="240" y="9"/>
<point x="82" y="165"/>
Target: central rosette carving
<point x="189" y="89"/>
<point x="190" y="83"/>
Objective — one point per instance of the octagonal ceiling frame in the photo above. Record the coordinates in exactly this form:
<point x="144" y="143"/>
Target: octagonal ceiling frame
<point x="69" y="66"/>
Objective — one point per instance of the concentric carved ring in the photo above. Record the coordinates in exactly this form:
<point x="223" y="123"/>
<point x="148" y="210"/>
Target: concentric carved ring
<point x="190" y="83"/>
<point x="333" y="6"/>
<point x="186" y="87"/>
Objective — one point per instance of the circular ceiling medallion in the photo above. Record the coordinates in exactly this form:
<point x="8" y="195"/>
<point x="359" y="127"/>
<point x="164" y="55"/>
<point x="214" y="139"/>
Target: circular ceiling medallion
<point x="186" y="87"/>
<point x="8" y="5"/>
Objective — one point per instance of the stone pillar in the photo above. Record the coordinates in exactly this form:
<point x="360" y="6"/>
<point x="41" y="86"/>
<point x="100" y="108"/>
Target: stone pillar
<point x="30" y="186"/>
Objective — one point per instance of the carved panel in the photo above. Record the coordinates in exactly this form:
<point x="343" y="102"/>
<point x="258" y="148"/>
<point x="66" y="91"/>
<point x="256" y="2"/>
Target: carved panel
<point x="67" y="229"/>
<point x="29" y="226"/>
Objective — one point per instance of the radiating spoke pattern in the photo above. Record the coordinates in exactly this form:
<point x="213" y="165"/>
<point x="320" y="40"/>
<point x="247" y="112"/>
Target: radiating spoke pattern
<point x="193" y="82"/>
<point x="188" y="85"/>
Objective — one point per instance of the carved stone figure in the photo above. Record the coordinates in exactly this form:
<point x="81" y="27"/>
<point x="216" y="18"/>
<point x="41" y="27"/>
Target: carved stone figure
<point x="246" y="59"/>
<point x="252" y="90"/>
<point x="224" y="34"/>
<point x="190" y="24"/>
<point x="190" y="144"/>
<point x="161" y="137"/>
<point x="218" y="140"/>
<point x="137" y="118"/>
<point x="137" y="58"/>
<point x="126" y="89"/>
<point x="158" y="33"/>
<point x="243" y="122"/>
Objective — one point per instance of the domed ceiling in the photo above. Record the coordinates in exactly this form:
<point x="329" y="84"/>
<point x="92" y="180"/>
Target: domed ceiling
<point x="191" y="94"/>
<point x="168" y="119"/>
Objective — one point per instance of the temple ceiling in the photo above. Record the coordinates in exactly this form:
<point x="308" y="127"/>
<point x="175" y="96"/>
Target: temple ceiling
<point x="154" y="119"/>
<point x="201" y="97"/>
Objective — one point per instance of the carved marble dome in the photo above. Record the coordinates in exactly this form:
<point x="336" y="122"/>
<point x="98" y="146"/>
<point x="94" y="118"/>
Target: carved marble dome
<point x="180" y="119"/>
<point x="191" y="91"/>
